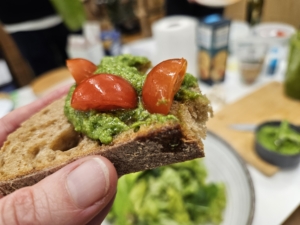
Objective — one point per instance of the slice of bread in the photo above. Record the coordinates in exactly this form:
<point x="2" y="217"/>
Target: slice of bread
<point x="47" y="141"/>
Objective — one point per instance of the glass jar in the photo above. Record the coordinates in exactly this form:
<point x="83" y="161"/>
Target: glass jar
<point x="292" y="78"/>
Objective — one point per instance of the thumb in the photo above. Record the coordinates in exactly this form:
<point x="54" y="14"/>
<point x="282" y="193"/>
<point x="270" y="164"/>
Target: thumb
<point x="73" y="195"/>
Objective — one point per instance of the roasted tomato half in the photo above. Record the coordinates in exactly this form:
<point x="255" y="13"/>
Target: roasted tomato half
<point x="104" y="92"/>
<point x="81" y="69"/>
<point x="161" y="84"/>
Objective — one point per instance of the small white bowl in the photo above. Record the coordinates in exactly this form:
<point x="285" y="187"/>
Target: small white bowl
<point x="276" y="33"/>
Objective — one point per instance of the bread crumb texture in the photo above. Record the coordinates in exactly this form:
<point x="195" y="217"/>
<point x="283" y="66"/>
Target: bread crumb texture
<point x="47" y="140"/>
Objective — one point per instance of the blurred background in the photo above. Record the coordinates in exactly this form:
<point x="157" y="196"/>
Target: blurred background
<point x="119" y="22"/>
<point x="244" y="53"/>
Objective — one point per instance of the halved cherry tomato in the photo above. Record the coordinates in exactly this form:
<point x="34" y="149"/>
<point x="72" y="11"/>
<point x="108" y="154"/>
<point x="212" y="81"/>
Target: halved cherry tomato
<point x="81" y="69"/>
<point x="104" y="92"/>
<point x="161" y="84"/>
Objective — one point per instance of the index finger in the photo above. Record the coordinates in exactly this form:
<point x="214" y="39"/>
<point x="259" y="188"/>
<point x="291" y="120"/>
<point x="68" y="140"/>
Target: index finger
<point x="12" y="121"/>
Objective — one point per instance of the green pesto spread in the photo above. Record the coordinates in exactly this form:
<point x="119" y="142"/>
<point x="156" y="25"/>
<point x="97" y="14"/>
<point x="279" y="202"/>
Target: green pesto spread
<point x="105" y="125"/>
<point x="126" y="66"/>
<point x="185" y="92"/>
<point x="281" y="139"/>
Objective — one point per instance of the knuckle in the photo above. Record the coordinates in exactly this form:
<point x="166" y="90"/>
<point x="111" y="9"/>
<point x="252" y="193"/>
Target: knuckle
<point x="24" y="207"/>
<point x="27" y="206"/>
<point x="21" y="208"/>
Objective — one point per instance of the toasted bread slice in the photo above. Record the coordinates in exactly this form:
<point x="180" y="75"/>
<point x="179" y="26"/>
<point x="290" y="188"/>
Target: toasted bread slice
<point x="47" y="142"/>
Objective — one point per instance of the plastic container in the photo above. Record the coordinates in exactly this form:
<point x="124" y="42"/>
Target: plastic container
<point x="274" y="33"/>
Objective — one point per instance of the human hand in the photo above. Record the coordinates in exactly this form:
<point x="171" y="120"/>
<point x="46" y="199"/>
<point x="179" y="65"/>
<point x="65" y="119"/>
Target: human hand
<point x="80" y="193"/>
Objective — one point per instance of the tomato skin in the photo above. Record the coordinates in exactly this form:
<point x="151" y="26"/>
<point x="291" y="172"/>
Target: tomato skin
<point x="80" y="69"/>
<point x="161" y="84"/>
<point x="104" y="92"/>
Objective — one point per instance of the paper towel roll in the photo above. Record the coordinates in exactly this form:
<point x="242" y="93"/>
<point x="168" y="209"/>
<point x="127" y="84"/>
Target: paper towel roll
<point x="175" y="37"/>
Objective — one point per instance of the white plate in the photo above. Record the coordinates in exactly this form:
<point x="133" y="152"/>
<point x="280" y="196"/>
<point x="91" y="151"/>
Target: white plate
<point x="216" y="3"/>
<point x="224" y="165"/>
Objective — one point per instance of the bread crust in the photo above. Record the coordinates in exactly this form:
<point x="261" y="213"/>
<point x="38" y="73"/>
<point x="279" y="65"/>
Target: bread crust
<point x="144" y="152"/>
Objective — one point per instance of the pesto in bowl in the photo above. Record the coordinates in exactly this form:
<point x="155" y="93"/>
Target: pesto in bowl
<point x="278" y="142"/>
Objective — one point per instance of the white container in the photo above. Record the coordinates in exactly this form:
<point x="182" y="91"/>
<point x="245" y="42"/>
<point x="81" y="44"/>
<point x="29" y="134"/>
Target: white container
<point x="80" y="47"/>
<point x="77" y="47"/>
<point x="274" y="33"/>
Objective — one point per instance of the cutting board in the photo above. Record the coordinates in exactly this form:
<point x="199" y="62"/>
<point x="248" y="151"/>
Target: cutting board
<point x="267" y="103"/>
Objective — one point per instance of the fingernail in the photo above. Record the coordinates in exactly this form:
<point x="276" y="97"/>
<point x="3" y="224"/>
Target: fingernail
<point x="88" y="183"/>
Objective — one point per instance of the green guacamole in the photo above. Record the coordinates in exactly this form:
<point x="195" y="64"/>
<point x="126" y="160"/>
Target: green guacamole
<point x="178" y="194"/>
<point x="105" y="125"/>
<point x="282" y="139"/>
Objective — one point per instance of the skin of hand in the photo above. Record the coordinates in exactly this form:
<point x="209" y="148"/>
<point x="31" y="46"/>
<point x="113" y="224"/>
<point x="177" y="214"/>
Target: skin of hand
<point x="80" y="193"/>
